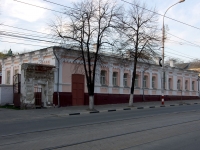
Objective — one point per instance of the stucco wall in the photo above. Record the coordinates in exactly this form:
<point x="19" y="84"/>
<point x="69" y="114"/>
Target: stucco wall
<point x="6" y="94"/>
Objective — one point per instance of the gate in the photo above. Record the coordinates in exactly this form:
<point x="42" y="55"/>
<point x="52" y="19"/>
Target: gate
<point x="38" y="96"/>
<point x="16" y="89"/>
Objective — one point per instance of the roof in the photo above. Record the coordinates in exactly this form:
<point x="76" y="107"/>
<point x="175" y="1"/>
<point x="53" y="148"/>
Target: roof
<point x="183" y="66"/>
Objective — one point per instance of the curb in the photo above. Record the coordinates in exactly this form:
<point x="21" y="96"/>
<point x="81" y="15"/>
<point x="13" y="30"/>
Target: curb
<point x="125" y="109"/>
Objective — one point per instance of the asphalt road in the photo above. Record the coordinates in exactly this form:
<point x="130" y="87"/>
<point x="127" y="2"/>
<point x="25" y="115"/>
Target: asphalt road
<point x="175" y="127"/>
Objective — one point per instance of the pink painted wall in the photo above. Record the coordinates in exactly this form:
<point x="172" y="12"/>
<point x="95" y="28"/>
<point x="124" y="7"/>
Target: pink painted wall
<point x="104" y="90"/>
<point x="115" y="90"/>
<point x="153" y="92"/>
<point x="136" y="91"/>
<point x="126" y="91"/>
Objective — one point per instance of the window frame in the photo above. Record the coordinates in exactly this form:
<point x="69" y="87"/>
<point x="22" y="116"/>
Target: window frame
<point x="103" y="77"/>
<point x="169" y="83"/>
<point x="145" y="81"/>
<point x="114" y="79"/>
<point x="186" y="85"/>
<point x="178" y="84"/>
<point x="193" y="85"/>
<point x="153" y="82"/>
<point x="125" y="80"/>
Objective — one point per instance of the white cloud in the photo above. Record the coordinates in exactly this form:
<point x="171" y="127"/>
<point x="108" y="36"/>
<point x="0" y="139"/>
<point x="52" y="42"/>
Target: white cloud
<point x="22" y="11"/>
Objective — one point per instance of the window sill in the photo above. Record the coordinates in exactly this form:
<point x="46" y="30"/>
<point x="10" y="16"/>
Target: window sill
<point x="126" y="87"/>
<point x="115" y="86"/>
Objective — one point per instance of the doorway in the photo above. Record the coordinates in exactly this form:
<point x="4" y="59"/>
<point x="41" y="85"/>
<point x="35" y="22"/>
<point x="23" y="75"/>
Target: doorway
<point x="77" y="89"/>
<point x="38" y="96"/>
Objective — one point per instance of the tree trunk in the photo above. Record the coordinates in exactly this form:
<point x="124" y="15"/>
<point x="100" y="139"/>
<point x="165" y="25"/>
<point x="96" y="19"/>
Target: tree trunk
<point x="132" y="85"/>
<point x="91" y="96"/>
<point x="91" y="102"/>
<point x="131" y="100"/>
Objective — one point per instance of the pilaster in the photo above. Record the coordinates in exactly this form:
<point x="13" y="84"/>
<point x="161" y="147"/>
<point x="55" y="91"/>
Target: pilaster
<point x="174" y="83"/>
<point x="121" y="80"/>
<point x="150" y="82"/>
<point x="110" y="78"/>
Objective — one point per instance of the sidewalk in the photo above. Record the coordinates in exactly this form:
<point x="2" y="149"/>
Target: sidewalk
<point x="10" y="115"/>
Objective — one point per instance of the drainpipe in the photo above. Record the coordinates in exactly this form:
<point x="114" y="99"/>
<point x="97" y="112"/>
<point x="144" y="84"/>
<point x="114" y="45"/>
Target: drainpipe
<point x="58" y="76"/>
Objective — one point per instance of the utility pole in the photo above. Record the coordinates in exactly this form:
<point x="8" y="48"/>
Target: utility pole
<point x="163" y="50"/>
<point x="198" y="85"/>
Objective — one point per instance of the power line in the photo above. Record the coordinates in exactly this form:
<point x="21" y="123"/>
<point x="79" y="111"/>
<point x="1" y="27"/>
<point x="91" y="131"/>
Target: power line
<point x="22" y="37"/>
<point x="22" y="33"/>
<point x="192" y="57"/>
<point x="183" y="39"/>
<point x="59" y="4"/>
<point x="162" y="15"/>
<point x="183" y="56"/>
<point x="69" y="7"/>
<point x="180" y="43"/>
<point x="22" y="43"/>
<point x="128" y="3"/>
<point x="24" y="29"/>
<point x="39" y="6"/>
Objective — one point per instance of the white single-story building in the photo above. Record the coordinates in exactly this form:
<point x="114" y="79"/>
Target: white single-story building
<point x="113" y="80"/>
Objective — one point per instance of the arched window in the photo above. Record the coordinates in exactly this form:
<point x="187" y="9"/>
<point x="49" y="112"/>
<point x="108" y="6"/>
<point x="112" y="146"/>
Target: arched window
<point x="153" y="82"/>
<point x="186" y="85"/>
<point x="145" y="82"/>
<point x="103" y="77"/>
<point x="125" y="79"/>
<point x="193" y="85"/>
<point x="136" y="80"/>
<point x="179" y="84"/>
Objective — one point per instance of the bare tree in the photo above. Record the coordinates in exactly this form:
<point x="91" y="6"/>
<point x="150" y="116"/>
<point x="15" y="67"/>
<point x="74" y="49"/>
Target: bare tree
<point x="89" y="25"/>
<point x="139" y="29"/>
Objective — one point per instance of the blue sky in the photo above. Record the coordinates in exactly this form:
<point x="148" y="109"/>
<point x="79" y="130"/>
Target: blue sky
<point x="32" y="18"/>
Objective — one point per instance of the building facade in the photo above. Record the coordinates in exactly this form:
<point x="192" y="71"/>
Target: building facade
<point x="112" y="78"/>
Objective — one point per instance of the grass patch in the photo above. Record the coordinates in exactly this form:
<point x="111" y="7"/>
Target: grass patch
<point x="10" y="107"/>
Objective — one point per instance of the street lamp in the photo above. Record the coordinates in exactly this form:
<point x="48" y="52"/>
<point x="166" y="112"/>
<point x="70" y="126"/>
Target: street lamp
<point x="163" y="46"/>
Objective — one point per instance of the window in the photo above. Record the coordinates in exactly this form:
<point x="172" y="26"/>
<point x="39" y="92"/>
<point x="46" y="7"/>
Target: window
<point x="186" y="85"/>
<point x="145" y="82"/>
<point x="153" y="82"/>
<point x="136" y="81"/>
<point x="114" y="78"/>
<point x="179" y="84"/>
<point x="16" y="71"/>
<point x="169" y="83"/>
<point x="103" y="77"/>
<point x="125" y="79"/>
<point x="8" y="77"/>
<point x="192" y="85"/>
